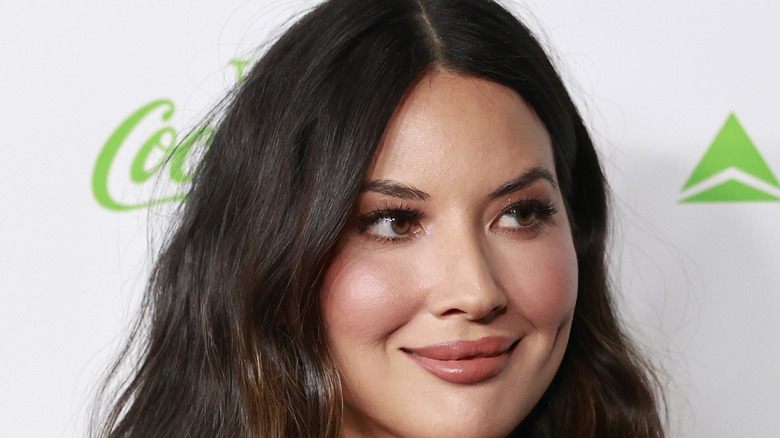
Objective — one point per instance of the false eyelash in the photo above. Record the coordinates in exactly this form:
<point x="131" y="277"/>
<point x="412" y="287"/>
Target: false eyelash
<point x="546" y="208"/>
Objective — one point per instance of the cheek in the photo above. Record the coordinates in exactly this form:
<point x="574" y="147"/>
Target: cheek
<point x="543" y="278"/>
<point x="365" y="298"/>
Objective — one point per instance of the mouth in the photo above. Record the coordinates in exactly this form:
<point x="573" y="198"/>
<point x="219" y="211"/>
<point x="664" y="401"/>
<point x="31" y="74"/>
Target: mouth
<point x="465" y="362"/>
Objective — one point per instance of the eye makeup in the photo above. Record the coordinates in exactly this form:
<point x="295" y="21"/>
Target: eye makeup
<point x="390" y="224"/>
<point x="525" y="218"/>
<point x="398" y="223"/>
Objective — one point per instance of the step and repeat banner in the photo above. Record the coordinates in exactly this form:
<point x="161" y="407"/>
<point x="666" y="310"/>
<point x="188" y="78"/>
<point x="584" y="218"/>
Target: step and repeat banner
<point x="681" y="97"/>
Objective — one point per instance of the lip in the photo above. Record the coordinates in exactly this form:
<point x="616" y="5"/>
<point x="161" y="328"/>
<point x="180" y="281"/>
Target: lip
<point x="464" y="362"/>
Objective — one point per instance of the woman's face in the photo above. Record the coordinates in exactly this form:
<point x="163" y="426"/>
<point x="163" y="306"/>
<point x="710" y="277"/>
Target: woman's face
<point x="448" y="307"/>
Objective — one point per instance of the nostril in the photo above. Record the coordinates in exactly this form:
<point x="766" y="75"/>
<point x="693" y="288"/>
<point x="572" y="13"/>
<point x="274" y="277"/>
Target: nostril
<point x="478" y="316"/>
<point x="493" y="314"/>
<point x="453" y="312"/>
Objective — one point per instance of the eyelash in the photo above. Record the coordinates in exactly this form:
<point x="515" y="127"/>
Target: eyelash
<point x="400" y="212"/>
<point x="543" y="211"/>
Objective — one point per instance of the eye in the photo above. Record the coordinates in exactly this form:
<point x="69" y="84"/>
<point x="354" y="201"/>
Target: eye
<point x="390" y="224"/>
<point x="526" y="215"/>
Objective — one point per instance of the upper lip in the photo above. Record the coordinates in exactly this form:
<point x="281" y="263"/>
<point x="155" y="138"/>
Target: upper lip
<point x="489" y="346"/>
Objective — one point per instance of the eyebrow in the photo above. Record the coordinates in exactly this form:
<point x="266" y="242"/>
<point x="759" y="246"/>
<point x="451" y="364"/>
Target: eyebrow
<point x="397" y="190"/>
<point x="523" y="181"/>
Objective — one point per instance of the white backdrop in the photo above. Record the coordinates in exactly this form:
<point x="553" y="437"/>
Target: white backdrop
<point x="656" y="81"/>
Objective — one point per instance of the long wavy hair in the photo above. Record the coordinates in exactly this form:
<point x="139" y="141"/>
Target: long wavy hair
<point x="231" y="336"/>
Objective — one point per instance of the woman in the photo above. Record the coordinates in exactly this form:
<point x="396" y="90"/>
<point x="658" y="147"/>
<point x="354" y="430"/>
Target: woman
<point x="398" y="230"/>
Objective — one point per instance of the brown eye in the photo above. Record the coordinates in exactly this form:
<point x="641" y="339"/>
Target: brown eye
<point x="525" y="217"/>
<point x="401" y="226"/>
<point x="394" y="224"/>
<point x="518" y="217"/>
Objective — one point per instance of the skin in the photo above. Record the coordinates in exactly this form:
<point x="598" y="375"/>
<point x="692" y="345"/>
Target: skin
<point x="466" y="268"/>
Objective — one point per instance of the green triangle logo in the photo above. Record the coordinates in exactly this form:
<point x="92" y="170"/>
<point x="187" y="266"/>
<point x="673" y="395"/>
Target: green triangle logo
<point x="732" y="148"/>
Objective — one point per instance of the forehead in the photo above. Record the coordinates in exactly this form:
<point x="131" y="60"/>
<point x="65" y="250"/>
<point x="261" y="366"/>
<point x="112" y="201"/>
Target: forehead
<point x="453" y="131"/>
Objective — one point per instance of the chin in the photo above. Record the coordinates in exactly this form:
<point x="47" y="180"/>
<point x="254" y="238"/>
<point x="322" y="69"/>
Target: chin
<point x="489" y="429"/>
<point x="462" y="422"/>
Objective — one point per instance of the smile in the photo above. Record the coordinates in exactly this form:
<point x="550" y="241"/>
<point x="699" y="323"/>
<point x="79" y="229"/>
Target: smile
<point x="464" y="362"/>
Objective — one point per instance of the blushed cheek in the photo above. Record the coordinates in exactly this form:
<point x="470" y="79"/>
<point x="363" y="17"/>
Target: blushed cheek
<point x="543" y="283"/>
<point x="365" y="298"/>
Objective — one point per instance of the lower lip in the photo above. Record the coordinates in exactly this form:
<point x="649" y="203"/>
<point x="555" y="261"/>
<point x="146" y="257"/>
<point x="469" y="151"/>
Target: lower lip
<point x="464" y="371"/>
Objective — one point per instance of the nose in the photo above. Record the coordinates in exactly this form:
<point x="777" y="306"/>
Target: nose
<point x="468" y="287"/>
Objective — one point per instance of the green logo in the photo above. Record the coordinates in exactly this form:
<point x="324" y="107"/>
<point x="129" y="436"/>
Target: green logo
<point x="146" y="145"/>
<point x="731" y="170"/>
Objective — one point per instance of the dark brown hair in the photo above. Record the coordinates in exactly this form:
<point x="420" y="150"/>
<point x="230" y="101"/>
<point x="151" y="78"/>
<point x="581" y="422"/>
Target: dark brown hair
<point x="231" y="339"/>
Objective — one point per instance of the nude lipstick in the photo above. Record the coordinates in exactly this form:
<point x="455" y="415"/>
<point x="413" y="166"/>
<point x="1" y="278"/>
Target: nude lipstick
<point x="464" y="362"/>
